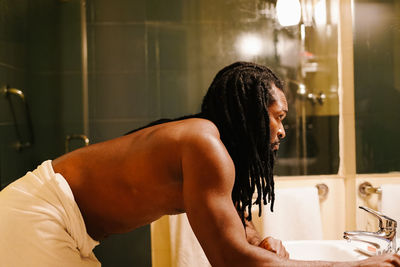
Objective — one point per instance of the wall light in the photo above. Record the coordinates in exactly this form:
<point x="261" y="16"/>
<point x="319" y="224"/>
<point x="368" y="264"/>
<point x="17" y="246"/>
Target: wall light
<point x="302" y="89"/>
<point x="250" y="45"/>
<point x="288" y="12"/>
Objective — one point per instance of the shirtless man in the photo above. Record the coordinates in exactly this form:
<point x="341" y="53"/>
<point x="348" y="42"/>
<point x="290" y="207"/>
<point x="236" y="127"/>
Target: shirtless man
<point x="207" y="165"/>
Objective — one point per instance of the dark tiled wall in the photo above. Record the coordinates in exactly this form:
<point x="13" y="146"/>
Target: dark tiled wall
<point x="40" y="55"/>
<point x="153" y="59"/>
<point x="44" y="78"/>
<point x="13" y="72"/>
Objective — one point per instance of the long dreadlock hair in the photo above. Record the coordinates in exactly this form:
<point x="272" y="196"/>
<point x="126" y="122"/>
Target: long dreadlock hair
<point x="236" y="102"/>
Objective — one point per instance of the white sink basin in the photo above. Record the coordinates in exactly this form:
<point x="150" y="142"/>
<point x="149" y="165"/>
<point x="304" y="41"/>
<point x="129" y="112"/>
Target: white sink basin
<point x="324" y="250"/>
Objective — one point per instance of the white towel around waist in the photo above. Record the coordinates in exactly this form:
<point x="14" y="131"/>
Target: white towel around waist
<point x="41" y="224"/>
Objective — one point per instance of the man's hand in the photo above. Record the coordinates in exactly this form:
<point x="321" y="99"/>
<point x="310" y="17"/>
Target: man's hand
<point x="275" y="246"/>
<point x="269" y="243"/>
<point x="381" y="260"/>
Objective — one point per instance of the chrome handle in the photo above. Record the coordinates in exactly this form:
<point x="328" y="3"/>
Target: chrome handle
<point x="385" y="223"/>
<point x="6" y="91"/>
<point x="386" y="232"/>
<point x="366" y="189"/>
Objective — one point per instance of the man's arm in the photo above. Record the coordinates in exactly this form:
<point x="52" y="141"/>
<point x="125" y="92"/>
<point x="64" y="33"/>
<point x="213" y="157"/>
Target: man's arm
<point x="252" y="235"/>
<point x="208" y="178"/>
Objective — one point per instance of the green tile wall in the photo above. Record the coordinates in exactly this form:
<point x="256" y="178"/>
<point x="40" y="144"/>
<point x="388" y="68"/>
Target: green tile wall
<point x="40" y="55"/>
<point x="13" y="72"/>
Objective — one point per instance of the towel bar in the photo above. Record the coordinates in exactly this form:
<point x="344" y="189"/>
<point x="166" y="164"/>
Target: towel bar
<point x="365" y="189"/>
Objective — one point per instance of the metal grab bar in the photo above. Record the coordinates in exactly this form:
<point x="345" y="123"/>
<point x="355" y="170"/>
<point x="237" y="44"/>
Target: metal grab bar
<point x="6" y="91"/>
<point x="68" y="138"/>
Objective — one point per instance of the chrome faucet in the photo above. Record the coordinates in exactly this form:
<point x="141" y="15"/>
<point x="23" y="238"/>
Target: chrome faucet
<point x="386" y="232"/>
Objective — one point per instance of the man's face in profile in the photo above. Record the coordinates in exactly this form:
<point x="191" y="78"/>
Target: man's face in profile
<point x="277" y="113"/>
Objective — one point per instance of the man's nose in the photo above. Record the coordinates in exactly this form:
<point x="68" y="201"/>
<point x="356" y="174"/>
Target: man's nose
<point x="281" y="132"/>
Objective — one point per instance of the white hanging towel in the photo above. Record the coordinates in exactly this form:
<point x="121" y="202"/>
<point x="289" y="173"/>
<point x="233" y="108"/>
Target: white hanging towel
<point x="175" y="245"/>
<point x="296" y="215"/>
<point x="390" y="202"/>
<point x="186" y="249"/>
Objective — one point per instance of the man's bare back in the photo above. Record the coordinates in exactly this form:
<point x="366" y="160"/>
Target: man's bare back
<point x="130" y="181"/>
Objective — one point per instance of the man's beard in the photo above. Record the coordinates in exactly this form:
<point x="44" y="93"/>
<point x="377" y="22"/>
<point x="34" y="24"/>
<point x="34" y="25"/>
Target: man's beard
<point x="272" y="152"/>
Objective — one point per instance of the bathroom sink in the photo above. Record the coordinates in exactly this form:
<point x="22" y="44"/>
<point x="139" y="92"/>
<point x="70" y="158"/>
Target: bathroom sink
<point x="324" y="250"/>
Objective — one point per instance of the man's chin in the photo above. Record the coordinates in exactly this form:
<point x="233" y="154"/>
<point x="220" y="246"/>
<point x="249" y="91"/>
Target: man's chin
<point x="274" y="152"/>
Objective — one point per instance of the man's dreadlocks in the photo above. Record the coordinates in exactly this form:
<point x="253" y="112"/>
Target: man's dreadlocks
<point x="236" y="103"/>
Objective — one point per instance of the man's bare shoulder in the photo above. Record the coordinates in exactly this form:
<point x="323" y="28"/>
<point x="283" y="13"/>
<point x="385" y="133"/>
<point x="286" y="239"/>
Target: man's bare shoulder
<point x="199" y="132"/>
<point x="200" y="142"/>
<point x="198" y="126"/>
